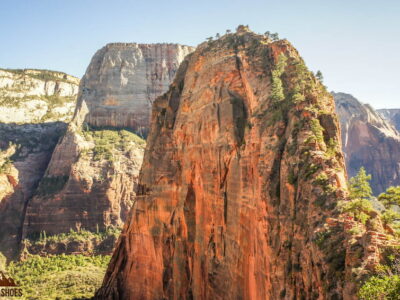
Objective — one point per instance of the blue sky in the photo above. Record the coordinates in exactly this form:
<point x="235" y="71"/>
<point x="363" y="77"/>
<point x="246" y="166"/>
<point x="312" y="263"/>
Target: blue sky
<point x="356" y="44"/>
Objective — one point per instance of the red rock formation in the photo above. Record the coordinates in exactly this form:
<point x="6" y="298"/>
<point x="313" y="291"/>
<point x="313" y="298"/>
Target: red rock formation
<point x="239" y="185"/>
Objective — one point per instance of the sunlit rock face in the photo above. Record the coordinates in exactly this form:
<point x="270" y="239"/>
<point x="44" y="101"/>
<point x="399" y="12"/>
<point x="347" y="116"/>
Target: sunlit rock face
<point x="369" y="141"/>
<point x="36" y="96"/>
<point x="123" y="80"/>
<point x="241" y="177"/>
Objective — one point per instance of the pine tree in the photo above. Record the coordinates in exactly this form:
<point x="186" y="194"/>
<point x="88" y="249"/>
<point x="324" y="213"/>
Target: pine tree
<point x="359" y="187"/>
<point x="319" y="76"/>
<point x="390" y="197"/>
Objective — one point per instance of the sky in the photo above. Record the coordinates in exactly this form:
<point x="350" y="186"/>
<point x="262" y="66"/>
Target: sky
<point x="356" y="43"/>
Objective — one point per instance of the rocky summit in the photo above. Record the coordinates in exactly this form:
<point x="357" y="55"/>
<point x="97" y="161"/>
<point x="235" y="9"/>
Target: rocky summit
<point x="369" y="141"/>
<point x="239" y="188"/>
<point x="91" y="180"/>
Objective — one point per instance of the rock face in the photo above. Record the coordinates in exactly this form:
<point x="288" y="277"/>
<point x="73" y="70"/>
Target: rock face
<point x="94" y="168"/>
<point x="27" y="149"/>
<point x="370" y="141"/>
<point x="36" y="96"/>
<point x="238" y="188"/>
<point x="123" y="80"/>
<point x="33" y="104"/>
<point x="393" y="115"/>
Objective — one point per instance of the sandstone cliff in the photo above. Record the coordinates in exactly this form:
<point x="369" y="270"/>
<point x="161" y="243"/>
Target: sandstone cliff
<point x="36" y="96"/>
<point x="369" y="141"/>
<point x="239" y="186"/>
<point x="91" y="180"/>
<point x="32" y="105"/>
<point x="393" y="115"/>
<point x="123" y="80"/>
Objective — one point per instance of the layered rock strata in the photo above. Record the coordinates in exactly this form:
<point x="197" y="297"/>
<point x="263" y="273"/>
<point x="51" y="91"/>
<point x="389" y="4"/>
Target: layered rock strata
<point x="36" y="96"/>
<point x="26" y="152"/>
<point x="34" y="104"/>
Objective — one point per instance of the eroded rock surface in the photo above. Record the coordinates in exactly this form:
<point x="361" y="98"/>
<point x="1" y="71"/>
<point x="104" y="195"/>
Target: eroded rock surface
<point x="36" y="96"/>
<point x="95" y="167"/>
<point x="26" y="149"/>
<point x="123" y="80"/>
<point x="239" y="186"/>
<point x="34" y="106"/>
<point x="369" y="141"/>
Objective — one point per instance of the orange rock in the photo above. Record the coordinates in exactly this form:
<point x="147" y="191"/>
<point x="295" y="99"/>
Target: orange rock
<point x="237" y="214"/>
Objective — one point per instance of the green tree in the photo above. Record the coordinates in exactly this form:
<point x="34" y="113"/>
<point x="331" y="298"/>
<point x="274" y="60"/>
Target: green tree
<point x="359" y="187"/>
<point x="390" y="197"/>
<point x="319" y="76"/>
<point x="359" y="193"/>
<point x="275" y="36"/>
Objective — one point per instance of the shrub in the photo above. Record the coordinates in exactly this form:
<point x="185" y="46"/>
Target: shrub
<point x="358" y="208"/>
<point x="380" y="287"/>
<point x="317" y="130"/>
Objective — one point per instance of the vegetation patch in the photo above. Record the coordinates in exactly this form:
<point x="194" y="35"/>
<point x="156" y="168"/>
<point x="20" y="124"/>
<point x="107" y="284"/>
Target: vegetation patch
<point x="51" y="185"/>
<point x="109" y="140"/>
<point x="72" y="235"/>
<point x="59" y="277"/>
<point x="380" y="287"/>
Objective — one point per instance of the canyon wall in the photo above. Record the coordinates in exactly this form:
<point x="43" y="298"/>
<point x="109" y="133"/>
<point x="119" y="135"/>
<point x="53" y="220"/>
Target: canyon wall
<point x="369" y="141"/>
<point x="91" y="180"/>
<point x="34" y="106"/>
<point x="123" y="80"/>
<point x="392" y="115"/>
<point x="239" y="187"/>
